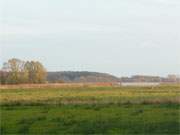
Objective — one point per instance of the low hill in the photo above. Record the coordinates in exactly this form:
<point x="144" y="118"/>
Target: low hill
<point x="71" y="76"/>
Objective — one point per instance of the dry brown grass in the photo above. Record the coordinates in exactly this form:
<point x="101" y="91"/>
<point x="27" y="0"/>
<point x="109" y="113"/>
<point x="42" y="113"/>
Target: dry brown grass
<point x="89" y="94"/>
<point x="54" y="85"/>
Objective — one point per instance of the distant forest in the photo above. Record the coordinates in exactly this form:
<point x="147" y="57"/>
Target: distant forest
<point x="84" y="76"/>
<point x="16" y="71"/>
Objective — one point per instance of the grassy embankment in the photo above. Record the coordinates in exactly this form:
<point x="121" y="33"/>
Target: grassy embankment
<point x="83" y="110"/>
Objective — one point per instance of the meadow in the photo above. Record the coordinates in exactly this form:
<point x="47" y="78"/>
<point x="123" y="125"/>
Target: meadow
<point x="91" y="110"/>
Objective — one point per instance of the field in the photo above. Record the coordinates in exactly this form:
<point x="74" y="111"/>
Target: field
<point x="91" y="110"/>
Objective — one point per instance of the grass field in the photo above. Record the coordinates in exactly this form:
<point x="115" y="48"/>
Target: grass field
<point x="91" y="110"/>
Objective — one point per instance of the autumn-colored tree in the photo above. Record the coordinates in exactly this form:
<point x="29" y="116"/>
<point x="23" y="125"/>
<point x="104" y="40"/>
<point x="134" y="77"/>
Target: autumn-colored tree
<point x="36" y="72"/>
<point x="16" y="71"/>
<point x="3" y="77"/>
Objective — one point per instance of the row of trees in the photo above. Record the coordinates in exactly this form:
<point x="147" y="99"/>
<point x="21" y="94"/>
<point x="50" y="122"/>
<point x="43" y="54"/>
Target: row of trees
<point x="16" y="71"/>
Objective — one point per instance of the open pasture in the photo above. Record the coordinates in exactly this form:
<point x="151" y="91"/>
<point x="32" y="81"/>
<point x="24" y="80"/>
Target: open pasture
<point x="91" y="95"/>
<point x="91" y="110"/>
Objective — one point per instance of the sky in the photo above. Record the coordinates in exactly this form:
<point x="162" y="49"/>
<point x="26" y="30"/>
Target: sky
<point x="121" y="37"/>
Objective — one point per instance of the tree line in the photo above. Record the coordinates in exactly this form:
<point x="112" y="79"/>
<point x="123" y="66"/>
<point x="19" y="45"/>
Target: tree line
<point x="16" y="71"/>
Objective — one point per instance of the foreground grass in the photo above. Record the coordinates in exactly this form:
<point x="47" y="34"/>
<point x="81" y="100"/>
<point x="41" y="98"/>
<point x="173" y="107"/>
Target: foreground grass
<point x="91" y="110"/>
<point x="91" y="119"/>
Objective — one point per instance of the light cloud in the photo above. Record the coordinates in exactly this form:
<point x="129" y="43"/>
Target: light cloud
<point x="121" y="37"/>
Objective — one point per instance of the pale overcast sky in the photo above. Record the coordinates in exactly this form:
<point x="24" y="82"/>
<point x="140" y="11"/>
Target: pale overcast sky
<point x="122" y="37"/>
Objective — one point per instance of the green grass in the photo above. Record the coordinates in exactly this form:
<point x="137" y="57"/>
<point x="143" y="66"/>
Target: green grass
<point x="91" y="110"/>
<point x="90" y="119"/>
